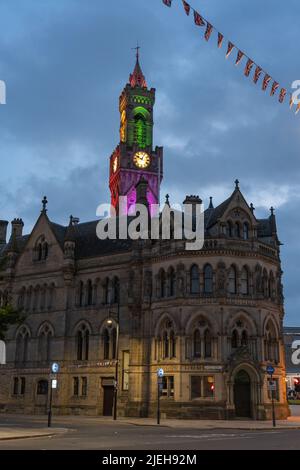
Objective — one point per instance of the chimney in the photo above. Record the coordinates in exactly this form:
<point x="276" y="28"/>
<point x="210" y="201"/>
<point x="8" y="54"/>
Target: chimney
<point x="3" y="231"/>
<point x="17" y="228"/>
<point x="193" y="201"/>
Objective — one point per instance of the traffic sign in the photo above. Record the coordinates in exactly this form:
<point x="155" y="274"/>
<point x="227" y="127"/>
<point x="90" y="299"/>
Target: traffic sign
<point x="160" y="373"/>
<point x="55" y="368"/>
<point x="272" y="385"/>
<point x="53" y="383"/>
<point x="270" y="370"/>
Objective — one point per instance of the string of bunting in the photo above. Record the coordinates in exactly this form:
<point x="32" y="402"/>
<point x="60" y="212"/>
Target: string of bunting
<point x="250" y="65"/>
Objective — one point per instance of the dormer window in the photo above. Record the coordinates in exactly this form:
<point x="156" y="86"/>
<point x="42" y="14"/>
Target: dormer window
<point x="41" y="249"/>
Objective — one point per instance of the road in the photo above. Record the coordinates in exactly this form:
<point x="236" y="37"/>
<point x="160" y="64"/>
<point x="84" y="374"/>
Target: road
<point x="89" y="434"/>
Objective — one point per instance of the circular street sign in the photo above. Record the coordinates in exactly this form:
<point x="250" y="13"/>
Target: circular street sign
<point x="160" y="373"/>
<point x="270" y="370"/>
<point x="55" y="368"/>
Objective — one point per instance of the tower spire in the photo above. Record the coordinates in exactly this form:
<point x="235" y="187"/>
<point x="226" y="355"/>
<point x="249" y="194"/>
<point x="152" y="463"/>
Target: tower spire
<point x="137" y="78"/>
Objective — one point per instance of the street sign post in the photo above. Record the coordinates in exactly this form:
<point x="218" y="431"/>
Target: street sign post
<point x="53" y="385"/>
<point x="160" y="374"/>
<point x="272" y="387"/>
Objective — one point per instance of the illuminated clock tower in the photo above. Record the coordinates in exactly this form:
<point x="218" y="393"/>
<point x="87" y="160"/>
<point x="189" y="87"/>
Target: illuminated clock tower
<point x="135" y="157"/>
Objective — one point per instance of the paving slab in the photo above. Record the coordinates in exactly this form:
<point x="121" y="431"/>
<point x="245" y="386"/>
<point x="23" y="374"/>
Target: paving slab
<point x="8" y="433"/>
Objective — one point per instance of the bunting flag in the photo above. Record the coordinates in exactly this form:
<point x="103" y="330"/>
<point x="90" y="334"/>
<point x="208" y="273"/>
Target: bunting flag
<point x="282" y="95"/>
<point x="275" y="87"/>
<point x="266" y="82"/>
<point x="208" y="31"/>
<point x="187" y="7"/>
<point x="201" y="21"/>
<point x="198" y="19"/>
<point x="229" y="49"/>
<point x="257" y="74"/>
<point x="248" y="67"/>
<point x="239" y="57"/>
<point x="220" y="40"/>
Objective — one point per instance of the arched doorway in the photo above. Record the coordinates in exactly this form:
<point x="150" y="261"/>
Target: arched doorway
<point x="242" y="395"/>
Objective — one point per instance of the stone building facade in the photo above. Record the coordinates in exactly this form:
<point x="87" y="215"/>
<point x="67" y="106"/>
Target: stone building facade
<point x="212" y="318"/>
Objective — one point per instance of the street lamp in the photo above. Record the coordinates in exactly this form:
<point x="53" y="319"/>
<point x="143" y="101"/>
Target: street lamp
<point x="110" y="321"/>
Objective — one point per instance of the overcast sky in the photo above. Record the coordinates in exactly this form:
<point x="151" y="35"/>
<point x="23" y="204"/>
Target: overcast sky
<point x="65" y="63"/>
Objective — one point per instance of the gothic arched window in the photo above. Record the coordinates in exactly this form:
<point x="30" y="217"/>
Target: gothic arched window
<point x="168" y="340"/>
<point x="197" y="343"/>
<point x="237" y="230"/>
<point x="42" y="387"/>
<point x="44" y="345"/>
<point x="232" y="280"/>
<point x="246" y="231"/>
<point x="89" y="292"/>
<point x="83" y="339"/>
<point x="271" y="343"/>
<point x="166" y="344"/>
<point x="116" y="292"/>
<point x="207" y="344"/>
<point x="106" y="295"/>
<point x="40" y="252"/>
<point x="114" y="343"/>
<point x="172" y="282"/>
<point x="208" y="279"/>
<point x="244" y="338"/>
<point x="229" y="229"/>
<point x="81" y="294"/>
<point x="234" y="339"/>
<point x="22" y="345"/>
<point x="106" y="344"/>
<point x="245" y="281"/>
<point x="172" y="344"/>
<point x="194" y="275"/>
<point x="163" y="284"/>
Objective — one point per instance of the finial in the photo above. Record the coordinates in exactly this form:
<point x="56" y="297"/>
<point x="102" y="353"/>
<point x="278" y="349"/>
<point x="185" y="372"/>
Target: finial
<point x="137" y="49"/>
<point x="211" y="206"/>
<point x="252" y="208"/>
<point x="237" y="184"/>
<point x="44" y="203"/>
<point x="71" y="220"/>
<point x="272" y="210"/>
<point x="167" y="200"/>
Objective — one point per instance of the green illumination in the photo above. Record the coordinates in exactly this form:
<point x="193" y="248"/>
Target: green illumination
<point x="140" y="128"/>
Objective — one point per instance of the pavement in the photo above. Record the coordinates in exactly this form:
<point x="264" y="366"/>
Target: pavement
<point x="9" y="433"/>
<point x="24" y="427"/>
<point x="104" y="434"/>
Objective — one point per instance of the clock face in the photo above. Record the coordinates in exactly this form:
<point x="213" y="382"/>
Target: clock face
<point x="142" y="160"/>
<point x="115" y="164"/>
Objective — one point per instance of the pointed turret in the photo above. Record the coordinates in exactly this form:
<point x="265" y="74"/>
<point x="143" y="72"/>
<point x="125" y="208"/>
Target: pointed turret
<point x="69" y="241"/>
<point x="272" y="220"/>
<point x="137" y="78"/>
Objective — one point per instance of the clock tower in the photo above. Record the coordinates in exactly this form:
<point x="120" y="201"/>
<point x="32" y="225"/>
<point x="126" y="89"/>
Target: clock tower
<point x="134" y="158"/>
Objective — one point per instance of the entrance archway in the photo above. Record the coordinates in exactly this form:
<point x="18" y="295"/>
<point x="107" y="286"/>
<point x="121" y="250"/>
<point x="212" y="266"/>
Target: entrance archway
<point x="242" y="395"/>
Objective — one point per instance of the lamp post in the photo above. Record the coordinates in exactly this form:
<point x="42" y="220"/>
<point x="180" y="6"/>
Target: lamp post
<point x="110" y="322"/>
